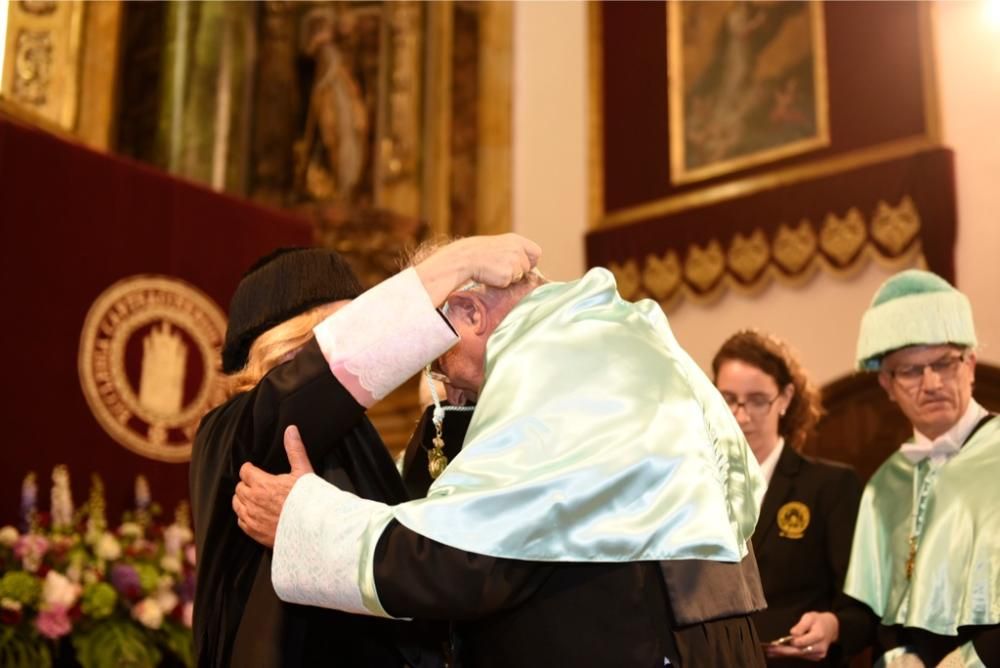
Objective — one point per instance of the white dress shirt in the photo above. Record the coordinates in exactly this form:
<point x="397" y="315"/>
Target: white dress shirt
<point x="947" y="445"/>
<point x="771" y="461"/>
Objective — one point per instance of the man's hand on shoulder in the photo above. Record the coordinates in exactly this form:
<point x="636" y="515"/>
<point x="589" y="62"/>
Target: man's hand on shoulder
<point x="260" y="496"/>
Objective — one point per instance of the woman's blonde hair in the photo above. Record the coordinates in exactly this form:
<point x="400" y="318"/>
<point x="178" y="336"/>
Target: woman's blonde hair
<point x="278" y="344"/>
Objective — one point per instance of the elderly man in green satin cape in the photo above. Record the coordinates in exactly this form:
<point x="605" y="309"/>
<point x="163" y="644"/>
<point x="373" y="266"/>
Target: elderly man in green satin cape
<point x="598" y="514"/>
<point x="925" y="562"/>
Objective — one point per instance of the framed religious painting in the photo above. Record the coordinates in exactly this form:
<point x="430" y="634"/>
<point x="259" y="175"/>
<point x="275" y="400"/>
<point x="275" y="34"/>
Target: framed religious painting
<point x="747" y="84"/>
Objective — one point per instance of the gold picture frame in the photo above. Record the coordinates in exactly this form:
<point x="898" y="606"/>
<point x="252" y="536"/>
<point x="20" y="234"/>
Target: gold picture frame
<point x="747" y="84"/>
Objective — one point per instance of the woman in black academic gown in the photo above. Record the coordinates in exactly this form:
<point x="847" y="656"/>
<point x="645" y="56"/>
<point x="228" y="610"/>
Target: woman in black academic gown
<point x="803" y="537"/>
<point x="280" y="377"/>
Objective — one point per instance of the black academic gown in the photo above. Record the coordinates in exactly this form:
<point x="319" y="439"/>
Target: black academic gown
<point x="510" y="613"/>
<point x="803" y="568"/>
<point x="238" y="619"/>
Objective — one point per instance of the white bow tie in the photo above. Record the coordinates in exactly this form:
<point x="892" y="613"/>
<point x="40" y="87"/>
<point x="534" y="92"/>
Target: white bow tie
<point x="939" y="450"/>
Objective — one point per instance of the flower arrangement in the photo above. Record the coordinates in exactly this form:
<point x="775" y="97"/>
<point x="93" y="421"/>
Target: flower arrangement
<point x="69" y="585"/>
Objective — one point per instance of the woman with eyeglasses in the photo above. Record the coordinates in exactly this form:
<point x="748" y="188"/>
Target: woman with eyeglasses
<point x="803" y="537"/>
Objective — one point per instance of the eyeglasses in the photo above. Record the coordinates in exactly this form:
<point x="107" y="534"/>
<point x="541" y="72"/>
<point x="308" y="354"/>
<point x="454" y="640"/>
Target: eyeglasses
<point x="911" y="376"/>
<point x="755" y="405"/>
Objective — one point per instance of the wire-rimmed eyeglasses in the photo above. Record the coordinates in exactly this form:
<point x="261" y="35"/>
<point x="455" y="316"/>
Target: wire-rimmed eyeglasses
<point x="911" y="376"/>
<point x="755" y="405"/>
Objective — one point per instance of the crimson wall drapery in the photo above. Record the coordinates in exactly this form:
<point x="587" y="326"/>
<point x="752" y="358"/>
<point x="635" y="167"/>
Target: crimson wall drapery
<point x="72" y="223"/>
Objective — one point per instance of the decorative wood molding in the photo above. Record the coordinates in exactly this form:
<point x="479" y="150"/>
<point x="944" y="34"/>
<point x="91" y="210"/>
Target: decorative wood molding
<point x="42" y="63"/>
<point x="840" y="245"/>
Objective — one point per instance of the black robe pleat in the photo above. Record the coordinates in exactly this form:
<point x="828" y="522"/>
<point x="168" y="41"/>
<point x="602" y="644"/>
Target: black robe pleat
<point x="523" y="614"/>
<point x="238" y="619"/>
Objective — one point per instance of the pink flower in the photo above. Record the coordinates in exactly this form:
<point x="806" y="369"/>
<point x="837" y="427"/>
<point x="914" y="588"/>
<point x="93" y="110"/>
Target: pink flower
<point x="53" y="622"/>
<point x="187" y="614"/>
<point x="31" y="544"/>
<point x="30" y="548"/>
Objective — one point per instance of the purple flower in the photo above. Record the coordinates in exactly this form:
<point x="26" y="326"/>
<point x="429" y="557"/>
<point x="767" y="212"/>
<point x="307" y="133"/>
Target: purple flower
<point x="29" y="500"/>
<point x="125" y="580"/>
<point x="185" y="588"/>
<point x="53" y="622"/>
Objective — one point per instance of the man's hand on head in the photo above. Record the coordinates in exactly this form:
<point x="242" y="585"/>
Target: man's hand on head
<point x="496" y="261"/>
<point x="260" y="496"/>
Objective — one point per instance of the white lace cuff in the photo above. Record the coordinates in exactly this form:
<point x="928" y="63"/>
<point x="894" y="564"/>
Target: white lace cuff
<point x="321" y="550"/>
<point x="382" y="338"/>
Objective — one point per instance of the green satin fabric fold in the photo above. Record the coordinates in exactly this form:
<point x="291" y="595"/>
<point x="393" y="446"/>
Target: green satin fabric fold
<point x="956" y="576"/>
<point x="595" y="438"/>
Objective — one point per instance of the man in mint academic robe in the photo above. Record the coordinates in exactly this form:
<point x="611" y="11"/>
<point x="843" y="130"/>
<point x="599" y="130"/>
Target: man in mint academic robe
<point x="598" y="513"/>
<point x="925" y="561"/>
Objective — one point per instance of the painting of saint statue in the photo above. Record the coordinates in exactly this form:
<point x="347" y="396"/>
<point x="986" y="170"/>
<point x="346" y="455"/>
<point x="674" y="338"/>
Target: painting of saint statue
<point x="747" y="84"/>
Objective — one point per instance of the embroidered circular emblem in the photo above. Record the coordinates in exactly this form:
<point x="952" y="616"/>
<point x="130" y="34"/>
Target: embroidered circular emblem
<point x="793" y="518"/>
<point x="149" y="365"/>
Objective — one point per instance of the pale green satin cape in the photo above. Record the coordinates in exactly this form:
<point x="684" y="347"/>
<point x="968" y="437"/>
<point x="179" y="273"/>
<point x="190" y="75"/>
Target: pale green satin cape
<point x="595" y="438"/>
<point x="956" y="576"/>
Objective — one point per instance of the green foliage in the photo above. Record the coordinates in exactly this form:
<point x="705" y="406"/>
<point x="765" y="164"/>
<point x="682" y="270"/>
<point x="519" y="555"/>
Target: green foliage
<point x="22" y="649"/>
<point x="180" y="642"/>
<point x="21" y="586"/>
<point x="115" y="643"/>
<point x="99" y="600"/>
<point x="149" y="577"/>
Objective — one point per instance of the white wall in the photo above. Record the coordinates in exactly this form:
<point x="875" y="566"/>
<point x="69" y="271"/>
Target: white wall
<point x="968" y="58"/>
<point x="550" y="137"/>
<point x="819" y="319"/>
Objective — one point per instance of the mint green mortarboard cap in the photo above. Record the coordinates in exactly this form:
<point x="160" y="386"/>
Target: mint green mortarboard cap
<point x="913" y="308"/>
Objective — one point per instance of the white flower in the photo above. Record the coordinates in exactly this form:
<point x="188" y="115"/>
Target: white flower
<point x="175" y="537"/>
<point x="166" y="600"/>
<point x="130" y="530"/>
<point x="31" y="562"/>
<point x="10" y="604"/>
<point x="108" y="547"/>
<point x="75" y="570"/>
<point x="170" y="563"/>
<point x="8" y="536"/>
<point x="61" y="506"/>
<point x="59" y="590"/>
<point x="148" y="613"/>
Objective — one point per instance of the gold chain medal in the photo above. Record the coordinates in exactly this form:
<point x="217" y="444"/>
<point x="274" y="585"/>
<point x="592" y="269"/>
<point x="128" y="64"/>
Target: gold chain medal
<point x="912" y="558"/>
<point x="437" y="461"/>
<point x="148" y="363"/>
